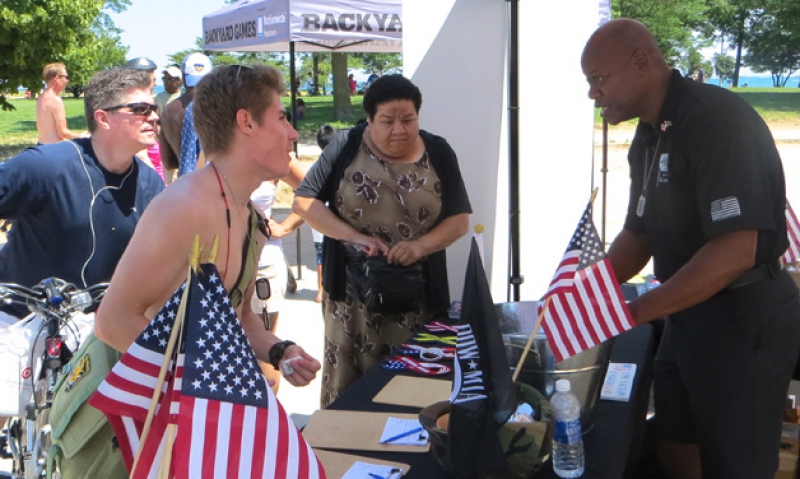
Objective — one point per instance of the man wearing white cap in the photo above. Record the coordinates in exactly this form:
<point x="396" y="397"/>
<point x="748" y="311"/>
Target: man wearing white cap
<point x="173" y="80"/>
<point x="195" y="66"/>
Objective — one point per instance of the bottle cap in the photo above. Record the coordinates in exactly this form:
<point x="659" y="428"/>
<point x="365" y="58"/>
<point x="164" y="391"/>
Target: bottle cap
<point x="562" y="385"/>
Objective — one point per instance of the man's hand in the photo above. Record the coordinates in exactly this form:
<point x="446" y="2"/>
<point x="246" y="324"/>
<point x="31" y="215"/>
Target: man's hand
<point x="277" y="230"/>
<point x="298" y="367"/>
<point x="406" y="253"/>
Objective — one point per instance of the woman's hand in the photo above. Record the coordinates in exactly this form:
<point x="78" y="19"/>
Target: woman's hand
<point x="369" y="245"/>
<point x="298" y="367"/>
<point x="406" y="253"/>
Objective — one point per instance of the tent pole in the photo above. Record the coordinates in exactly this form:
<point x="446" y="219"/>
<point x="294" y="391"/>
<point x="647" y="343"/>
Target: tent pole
<point x="604" y="171"/>
<point x="515" y="278"/>
<point x="293" y="110"/>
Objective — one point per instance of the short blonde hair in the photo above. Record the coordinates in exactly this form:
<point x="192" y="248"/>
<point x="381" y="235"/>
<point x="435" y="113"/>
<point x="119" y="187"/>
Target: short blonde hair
<point x="225" y="91"/>
<point x="52" y="70"/>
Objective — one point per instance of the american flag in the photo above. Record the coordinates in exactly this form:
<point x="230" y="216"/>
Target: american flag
<point x="228" y="422"/>
<point x="793" y="229"/>
<point x="586" y="305"/>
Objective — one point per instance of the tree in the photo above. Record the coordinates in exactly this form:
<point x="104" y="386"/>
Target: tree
<point x="382" y="62"/>
<point x="33" y="33"/>
<point x="671" y="21"/>
<point x="773" y="49"/>
<point x="723" y="66"/>
<point x="732" y="20"/>
<point x="342" y="108"/>
<point x="96" y="49"/>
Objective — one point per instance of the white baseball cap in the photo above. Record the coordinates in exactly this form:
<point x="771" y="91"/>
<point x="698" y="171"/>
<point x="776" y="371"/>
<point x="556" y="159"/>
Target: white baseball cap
<point x="173" y="71"/>
<point x="195" y="66"/>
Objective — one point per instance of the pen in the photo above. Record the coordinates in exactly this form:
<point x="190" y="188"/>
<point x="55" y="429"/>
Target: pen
<point x="375" y="476"/>
<point x="404" y="434"/>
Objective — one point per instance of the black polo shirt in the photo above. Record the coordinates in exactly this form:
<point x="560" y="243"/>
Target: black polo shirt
<point x="711" y="167"/>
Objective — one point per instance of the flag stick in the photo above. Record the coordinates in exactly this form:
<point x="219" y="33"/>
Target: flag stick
<point x="194" y="259"/>
<point x="530" y="340"/>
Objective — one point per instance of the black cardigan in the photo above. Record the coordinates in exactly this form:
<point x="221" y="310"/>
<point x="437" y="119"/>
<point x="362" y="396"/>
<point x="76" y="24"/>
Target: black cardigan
<point x="321" y="183"/>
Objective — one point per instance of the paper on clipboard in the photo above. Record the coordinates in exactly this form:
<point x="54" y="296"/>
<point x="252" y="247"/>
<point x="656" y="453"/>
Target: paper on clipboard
<point x="337" y="464"/>
<point x="414" y="391"/>
<point x="354" y="430"/>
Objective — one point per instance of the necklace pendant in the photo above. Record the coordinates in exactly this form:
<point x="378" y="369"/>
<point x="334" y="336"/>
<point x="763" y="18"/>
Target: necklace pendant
<point x="640" y="206"/>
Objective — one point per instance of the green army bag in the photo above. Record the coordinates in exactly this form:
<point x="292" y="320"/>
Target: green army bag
<point x="83" y="442"/>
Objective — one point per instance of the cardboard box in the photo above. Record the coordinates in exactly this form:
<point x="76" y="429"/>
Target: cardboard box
<point x="790" y="449"/>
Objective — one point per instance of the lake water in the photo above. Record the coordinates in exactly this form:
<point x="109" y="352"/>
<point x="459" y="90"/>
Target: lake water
<point x="758" y="81"/>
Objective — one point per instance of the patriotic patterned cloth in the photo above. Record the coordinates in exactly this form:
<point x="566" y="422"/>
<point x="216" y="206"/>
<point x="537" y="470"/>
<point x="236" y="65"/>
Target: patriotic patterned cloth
<point x="228" y="422"/>
<point x="793" y="230"/>
<point x="586" y="303"/>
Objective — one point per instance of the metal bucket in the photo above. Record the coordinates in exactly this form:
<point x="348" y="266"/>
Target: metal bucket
<point x="585" y="371"/>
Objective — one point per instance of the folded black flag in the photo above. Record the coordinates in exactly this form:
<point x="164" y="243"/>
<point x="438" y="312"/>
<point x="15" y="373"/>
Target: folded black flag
<point x="483" y="396"/>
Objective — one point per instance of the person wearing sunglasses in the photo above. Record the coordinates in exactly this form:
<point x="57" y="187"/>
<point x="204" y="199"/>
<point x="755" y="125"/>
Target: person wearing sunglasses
<point x="247" y="140"/>
<point x="51" y="119"/>
<point x="74" y="204"/>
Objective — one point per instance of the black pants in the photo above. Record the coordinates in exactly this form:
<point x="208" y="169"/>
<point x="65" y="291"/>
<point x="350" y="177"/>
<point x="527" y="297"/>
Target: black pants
<point x="721" y="376"/>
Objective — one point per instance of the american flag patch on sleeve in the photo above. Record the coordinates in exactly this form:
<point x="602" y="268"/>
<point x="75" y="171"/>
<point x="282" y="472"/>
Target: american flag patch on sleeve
<point x="725" y="208"/>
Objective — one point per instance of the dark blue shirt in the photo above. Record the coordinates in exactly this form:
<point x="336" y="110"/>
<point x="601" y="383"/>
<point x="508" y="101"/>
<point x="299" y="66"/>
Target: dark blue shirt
<point x="72" y="219"/>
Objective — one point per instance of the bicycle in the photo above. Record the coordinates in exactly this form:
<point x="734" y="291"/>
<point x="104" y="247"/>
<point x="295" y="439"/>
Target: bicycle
<point x="56" y="303"/>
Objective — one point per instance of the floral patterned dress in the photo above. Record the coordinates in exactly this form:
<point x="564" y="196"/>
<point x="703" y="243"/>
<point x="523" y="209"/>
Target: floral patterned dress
<point x="394" y="202"/>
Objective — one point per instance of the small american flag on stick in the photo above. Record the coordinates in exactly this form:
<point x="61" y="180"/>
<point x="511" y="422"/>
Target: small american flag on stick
<point x="586" y="303"/>
<point x="223" y="421"/>
<point x="793" y="230"/>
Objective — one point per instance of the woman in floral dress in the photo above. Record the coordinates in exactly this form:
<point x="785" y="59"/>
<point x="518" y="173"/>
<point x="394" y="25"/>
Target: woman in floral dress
<point x="391" y="189"/>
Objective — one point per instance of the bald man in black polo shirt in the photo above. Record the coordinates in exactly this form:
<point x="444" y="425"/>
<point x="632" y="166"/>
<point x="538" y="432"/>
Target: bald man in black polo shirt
<point x="707" y="204"/>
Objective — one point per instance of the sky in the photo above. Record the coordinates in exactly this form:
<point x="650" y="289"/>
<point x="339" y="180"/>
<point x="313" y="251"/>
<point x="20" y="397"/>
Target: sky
<point x="158" y="28"/>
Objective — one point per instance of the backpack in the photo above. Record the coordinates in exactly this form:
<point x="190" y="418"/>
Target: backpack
<point x="83" y="442"/>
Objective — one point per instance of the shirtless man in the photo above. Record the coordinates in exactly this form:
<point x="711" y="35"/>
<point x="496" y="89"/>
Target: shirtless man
<point x="247" y="139"/>
<point x="51" y="119"/>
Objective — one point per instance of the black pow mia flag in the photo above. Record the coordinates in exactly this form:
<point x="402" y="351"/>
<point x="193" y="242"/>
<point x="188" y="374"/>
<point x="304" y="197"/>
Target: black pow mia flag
<point x="483" y="396"/>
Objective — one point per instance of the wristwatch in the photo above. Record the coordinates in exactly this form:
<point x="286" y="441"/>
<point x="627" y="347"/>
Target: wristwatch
<point x="277" y="351"/>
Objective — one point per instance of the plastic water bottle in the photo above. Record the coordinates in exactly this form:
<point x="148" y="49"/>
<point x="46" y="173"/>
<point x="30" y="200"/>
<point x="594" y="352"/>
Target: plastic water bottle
<point x="567" y="443"/>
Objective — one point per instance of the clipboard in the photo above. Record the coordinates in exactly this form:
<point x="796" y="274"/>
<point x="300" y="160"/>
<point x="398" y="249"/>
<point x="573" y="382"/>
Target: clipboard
<point x="337" y="463"/>
<point x="414" y="391"/>
<point x="354" y="430"/>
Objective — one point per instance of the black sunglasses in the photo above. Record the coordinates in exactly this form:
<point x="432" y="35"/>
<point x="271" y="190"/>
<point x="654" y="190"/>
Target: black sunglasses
<point x="239" y="69"/>
<point x="140" y="108"/>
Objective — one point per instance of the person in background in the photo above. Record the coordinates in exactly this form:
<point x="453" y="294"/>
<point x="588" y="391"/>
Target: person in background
<point x="195" y="66"/>
<point x="247" y="140"/>
<point x="352" y="84"/>
<point x="391" y="190"/>
<point x="324" y="137"/>
<point x="75" y="203"/>
<point x="372" y="79"/>
<point x="51" y="117"/>
<point x="707" y="203"/>
<point x="272" y="262"/>
<point x="146" y="65"/>
<point x="152" y="155"/>
<point x="300" y="109"/>
<point x="173" y="81"/>
<point x="309" y="85"/>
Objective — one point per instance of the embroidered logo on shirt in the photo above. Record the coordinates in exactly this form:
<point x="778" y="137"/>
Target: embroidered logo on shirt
<point x="663" y="168"/>
<point x="725" y="208"/>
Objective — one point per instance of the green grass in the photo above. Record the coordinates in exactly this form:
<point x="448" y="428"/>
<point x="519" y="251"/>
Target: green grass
<point x="319" y="112"/>
<point x="773" y="104"/>
<point x="18" y="127"/>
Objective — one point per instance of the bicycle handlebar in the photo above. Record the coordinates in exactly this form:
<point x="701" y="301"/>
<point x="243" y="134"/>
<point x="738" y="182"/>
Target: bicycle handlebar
<point x="52" y="295"/>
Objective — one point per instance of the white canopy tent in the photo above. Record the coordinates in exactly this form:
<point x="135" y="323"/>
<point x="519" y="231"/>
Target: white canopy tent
<point x="305" y="26"/>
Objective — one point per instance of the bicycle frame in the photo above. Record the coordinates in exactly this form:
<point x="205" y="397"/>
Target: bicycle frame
<point x="56" y="302"/>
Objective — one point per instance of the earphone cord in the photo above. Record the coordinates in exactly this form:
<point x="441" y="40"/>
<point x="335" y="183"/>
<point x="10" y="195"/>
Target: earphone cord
<point x="91" y="207"/>
<point x="227" y="217"/>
